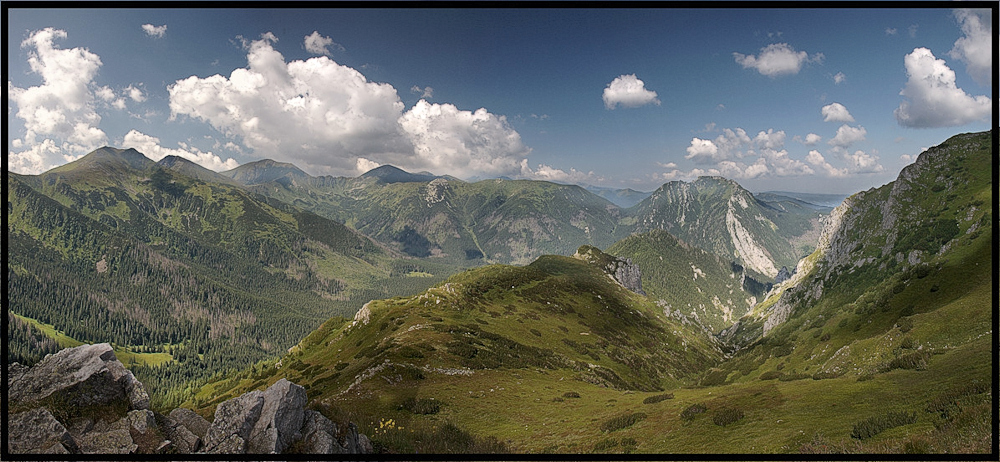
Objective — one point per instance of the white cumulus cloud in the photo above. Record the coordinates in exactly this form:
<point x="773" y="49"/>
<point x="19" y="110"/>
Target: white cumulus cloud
<point x="777" y="59"/>
<point x="628" y="91"/>
<point x="810" y="140"/>
<point x="59" y="117"/>
<point x="464" y="143"/>
<point x="135" y="93"/>
<point x="861" y="162"/>
<point x="975" y="47"/>
<point x="848" y="135"/>
<point x="426" y="92"/>
<point x="934" y="100"/>
<point x="839" y="78"/>
<point x="150" y="146"/>
<point x="836" y="112"/>
<point x="703" y="151"/>
<point x="548" y="173"/>
<point x="326" y="116"/>
<point x="817" y="160"/>
<point x="155" y="31"/>
<point x="365" y="165"/>
<point x="319" y="45"/>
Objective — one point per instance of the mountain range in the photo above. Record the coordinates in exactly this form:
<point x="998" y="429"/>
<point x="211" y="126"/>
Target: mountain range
<point x="713" y="320"/>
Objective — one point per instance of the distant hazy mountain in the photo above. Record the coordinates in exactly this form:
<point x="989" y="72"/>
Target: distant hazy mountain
<point x="507" y="221"/>
<point x="815" y="199"/>
<point x="623" y="198"/>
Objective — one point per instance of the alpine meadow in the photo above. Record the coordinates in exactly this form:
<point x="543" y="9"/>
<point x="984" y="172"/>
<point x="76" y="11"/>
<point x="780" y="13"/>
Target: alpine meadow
<point x="357" y="233"/>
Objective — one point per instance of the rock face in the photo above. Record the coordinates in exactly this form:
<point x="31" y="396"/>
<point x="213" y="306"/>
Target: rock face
<point x="624" y="272"/>
<point x="83" y="400"/>
<point x="783" y="275"/>
<point x="88" y="375"/>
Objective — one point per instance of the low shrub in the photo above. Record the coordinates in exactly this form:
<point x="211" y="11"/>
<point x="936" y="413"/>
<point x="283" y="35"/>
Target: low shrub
<point x="770" y="375"/>
<point x="421" y="406"/>
<point x="826" y="375"/>
<point x="689" y="413"/>
<point x="877" y="424"/>
<point x="791" y="377"/>
<point x="657" y="398"/>
<point x="713" y="378"/>
<point x="622" y="421"/>
<point x="946" y="404"/>
<point x="727" y="416"/>
<point x="914" y="361"/>
<point x="605" y="444"/>
<point x="571" y="394"/>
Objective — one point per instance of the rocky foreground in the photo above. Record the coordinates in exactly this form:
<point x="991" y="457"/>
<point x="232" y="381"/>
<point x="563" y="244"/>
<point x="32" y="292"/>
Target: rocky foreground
<point x="83" y="401"/>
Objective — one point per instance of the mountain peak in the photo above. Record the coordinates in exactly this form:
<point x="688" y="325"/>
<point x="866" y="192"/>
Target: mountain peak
<point x="108" y="156"/>
<point x="390" y="174"/>
<point x="263" y="171"/>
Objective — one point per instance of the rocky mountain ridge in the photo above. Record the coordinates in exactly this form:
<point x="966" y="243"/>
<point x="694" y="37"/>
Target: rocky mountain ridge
<point x="83" y="401"/>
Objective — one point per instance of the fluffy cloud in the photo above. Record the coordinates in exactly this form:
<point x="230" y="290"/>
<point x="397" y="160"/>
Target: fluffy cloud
<point x="327" y="116"/>
<point x="860" y="162"/>
<point x="848" y="135"/>
<point x="810" y="139"/>
<point x="315" y="111"/>
<point x="839" y="78"/>
<point x="155" y="31"/>
<point x="836" y="112"/>
<point x="135" y="93"/>
<point x="365" y="165"/>
<point x="934" y="99"/>
<point x="777" y="59"/>
<point x="547" y="173"/>
<point x="318" y="44"/>
<point x="725" y="152"/>
<point x="150" y="146"/>
<point x="426" y="92"/>
<point x="464" y="143"/>
<point x="770" y="139"/>
<point x="703" y="152"/>
<point x="975" y="47"/>
<point x="628" y="91"/>
<point x="817" y="160"/>
<point x="59" y="117"/>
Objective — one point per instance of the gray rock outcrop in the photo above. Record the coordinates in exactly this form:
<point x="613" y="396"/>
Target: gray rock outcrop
<point x="88" y="375"/>
<point x="38" y="432"/>
<point x="83" y="400"/>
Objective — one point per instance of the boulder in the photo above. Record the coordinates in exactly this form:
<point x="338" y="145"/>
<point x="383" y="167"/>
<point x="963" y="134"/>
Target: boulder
<point x="38" y="432"/>
<point x="144" y="431"/>
<point x="280" y="419"/>
<point x="318" y="435"/>
<point x="191" y="421"/>
<point x="80" y="377"/>
<point x="108" y="438"/>
<point x="234" y="420"/>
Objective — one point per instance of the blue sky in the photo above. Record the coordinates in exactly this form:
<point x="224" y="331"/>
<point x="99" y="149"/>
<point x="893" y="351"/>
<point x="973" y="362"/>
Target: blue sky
<point x="818" y="100"/>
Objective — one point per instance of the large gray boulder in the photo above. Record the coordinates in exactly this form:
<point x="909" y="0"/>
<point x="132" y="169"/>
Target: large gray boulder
<point x="191" y="421"/>
<point x="80" y="377"/>
<point x="280" y="418"/>
<point x="234" y="420"/>
<point x="38" y="432"/>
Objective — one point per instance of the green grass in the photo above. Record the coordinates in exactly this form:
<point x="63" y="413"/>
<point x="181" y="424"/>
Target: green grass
<point x="124" y="354"/>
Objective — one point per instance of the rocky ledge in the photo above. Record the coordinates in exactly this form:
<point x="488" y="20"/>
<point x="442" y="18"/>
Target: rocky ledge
<point x="83" y="401"/>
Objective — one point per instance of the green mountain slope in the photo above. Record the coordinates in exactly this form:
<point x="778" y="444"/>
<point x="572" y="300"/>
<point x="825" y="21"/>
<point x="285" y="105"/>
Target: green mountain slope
<point x="489" y="340"/>
<point x="689" y="283"/>
<point x="880" y="343"/>
<point x="720" y="216"/>
<point x="114" y="247"/>
<point x="505" y="221"/>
